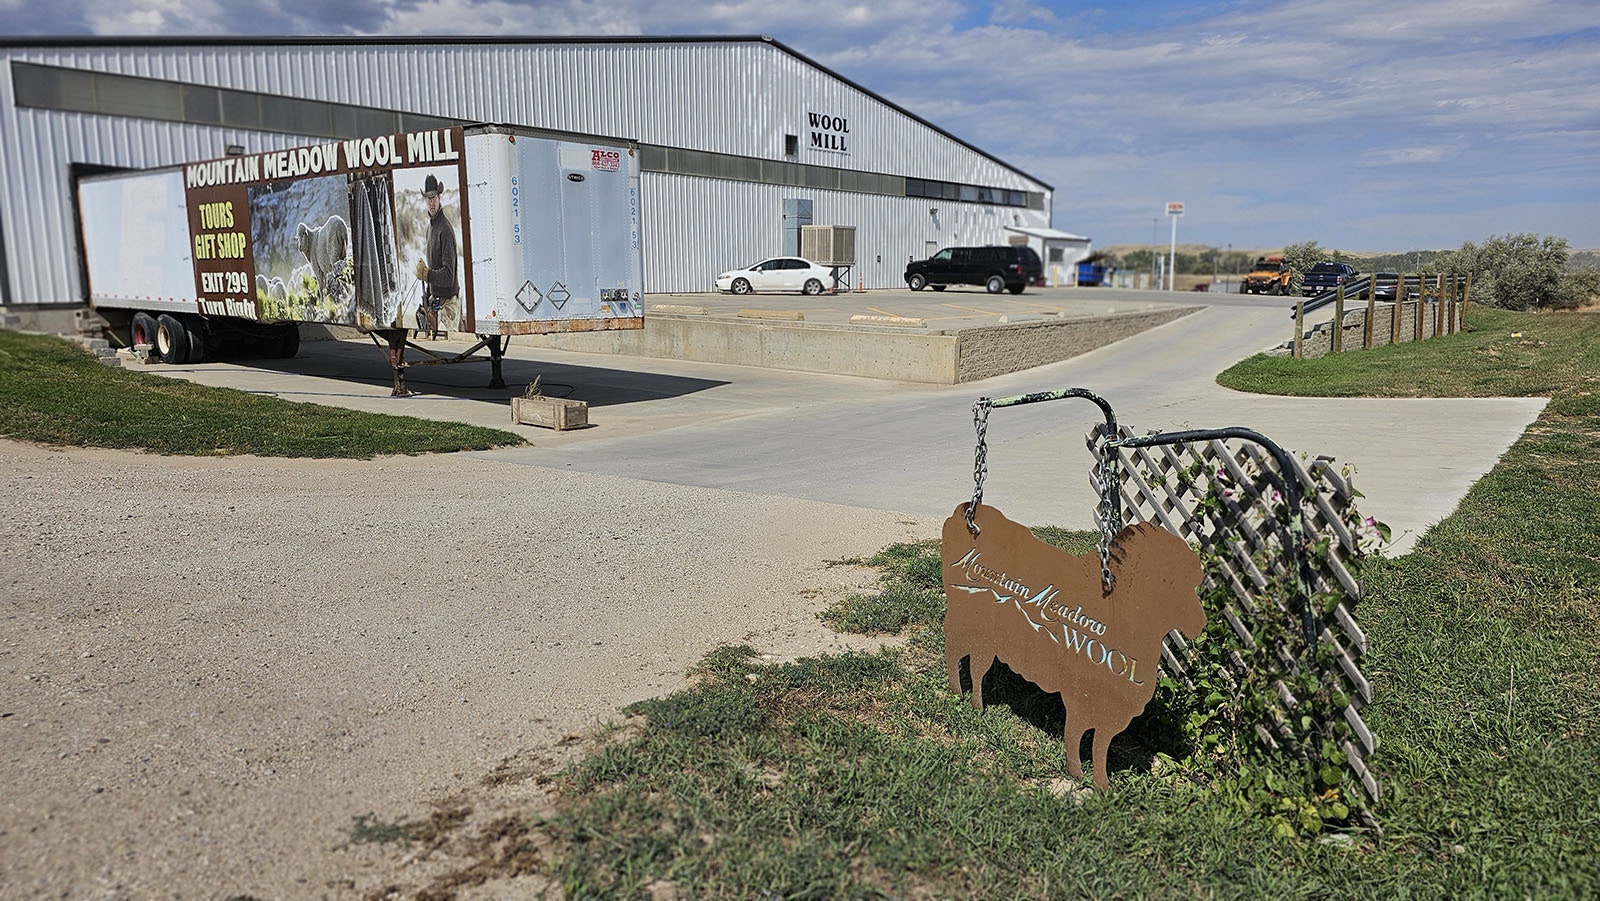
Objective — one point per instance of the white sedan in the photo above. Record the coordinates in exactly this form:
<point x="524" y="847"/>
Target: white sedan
<point x="777" y="274"/>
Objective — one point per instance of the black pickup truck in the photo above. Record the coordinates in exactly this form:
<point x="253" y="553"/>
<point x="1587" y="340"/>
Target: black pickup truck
<point x="1326" y="276"/>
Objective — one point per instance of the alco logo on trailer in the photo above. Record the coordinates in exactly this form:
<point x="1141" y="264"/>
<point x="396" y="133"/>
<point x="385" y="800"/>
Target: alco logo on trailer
<point x="1048" y="616"/>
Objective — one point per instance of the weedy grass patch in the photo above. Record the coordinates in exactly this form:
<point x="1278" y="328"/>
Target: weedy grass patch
<point x="51" y="392"/>
<point x="1501" y="353"/>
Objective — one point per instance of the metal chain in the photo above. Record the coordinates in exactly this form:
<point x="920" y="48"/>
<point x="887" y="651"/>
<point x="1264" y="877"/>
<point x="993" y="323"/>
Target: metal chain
<point x="980" y="460"/>
<point x="1110" y="517"/>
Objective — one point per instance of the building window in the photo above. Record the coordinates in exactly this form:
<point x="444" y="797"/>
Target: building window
<point x="791" y="145"/>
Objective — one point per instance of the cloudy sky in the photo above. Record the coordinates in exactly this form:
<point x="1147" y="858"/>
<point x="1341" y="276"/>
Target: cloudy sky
<point x="1361" y="124"/>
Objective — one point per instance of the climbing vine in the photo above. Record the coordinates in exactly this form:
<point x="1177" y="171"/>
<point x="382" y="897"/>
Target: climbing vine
<point x="1274" y="718"/>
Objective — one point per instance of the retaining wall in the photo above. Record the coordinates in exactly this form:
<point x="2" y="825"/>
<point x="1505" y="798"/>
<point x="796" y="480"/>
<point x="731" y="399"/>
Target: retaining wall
<point x="871" y="351"/>
<point x="1318" y="340"/>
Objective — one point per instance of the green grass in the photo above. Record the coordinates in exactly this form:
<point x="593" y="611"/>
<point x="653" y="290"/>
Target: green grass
<point x="52" y="392"/>
<point x="1500" y="354"/>
<point x="862" y="776"/>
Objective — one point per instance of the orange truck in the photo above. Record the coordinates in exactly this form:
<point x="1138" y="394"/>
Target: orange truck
<point x="1269" y="275"/>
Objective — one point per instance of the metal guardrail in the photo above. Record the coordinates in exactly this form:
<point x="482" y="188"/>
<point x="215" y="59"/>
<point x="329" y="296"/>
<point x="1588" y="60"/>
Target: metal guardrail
<point x="1356" y="287"/>
<point x="1406" y="288"/>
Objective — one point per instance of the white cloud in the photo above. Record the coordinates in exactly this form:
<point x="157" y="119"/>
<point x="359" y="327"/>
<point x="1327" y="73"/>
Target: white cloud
<point x="473" y="17"/>
<point x="1239" y="109"/>
<point x="1022" y="12"/>
<point x="1403" y="155"/>
<point x="153" y="17"/>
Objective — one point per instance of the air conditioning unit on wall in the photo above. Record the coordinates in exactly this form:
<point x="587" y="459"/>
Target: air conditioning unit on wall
<point x="829" y="245"/>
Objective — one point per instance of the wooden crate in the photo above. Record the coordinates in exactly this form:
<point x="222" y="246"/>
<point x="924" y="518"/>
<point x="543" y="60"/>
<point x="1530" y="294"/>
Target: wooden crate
<point x="557" y="413"/>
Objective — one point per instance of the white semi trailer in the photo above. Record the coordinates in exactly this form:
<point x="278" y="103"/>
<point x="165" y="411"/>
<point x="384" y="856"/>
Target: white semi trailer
<point x="493" y="230"/>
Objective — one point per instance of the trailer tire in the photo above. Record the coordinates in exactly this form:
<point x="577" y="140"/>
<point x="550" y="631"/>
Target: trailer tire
<point x="172" y="340"/>
<point x="289" y="341"/>
<point x="143" y="329"/>
<point x="199" y="341"/>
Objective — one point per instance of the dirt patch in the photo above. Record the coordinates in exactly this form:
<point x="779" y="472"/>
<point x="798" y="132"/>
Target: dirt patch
<point x="214" y="667"/>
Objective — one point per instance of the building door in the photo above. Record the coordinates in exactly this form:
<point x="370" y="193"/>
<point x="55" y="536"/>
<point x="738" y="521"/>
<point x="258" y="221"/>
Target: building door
<point x="796" y="213"/>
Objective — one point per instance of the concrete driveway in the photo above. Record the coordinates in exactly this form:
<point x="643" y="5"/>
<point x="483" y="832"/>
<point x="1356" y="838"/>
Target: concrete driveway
<point x="909" y="447"/>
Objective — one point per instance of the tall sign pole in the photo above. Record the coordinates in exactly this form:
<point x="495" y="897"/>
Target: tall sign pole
<point x="1174" y="210"/>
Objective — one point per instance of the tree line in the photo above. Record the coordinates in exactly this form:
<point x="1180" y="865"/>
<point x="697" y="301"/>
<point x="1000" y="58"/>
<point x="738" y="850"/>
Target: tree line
<point x="1517" y="272"/>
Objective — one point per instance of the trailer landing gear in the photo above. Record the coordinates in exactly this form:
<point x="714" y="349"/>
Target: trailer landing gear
<point x="398" y="339"/>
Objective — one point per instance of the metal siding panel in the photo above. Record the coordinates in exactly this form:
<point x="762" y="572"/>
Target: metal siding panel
<point x="677" y="94"/>
<point x="43" y="258"/>
<point x="728" y="224"/>
<point x="670" y="94"/>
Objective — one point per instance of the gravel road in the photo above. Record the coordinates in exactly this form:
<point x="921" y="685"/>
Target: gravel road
<point x="211" y="666"/>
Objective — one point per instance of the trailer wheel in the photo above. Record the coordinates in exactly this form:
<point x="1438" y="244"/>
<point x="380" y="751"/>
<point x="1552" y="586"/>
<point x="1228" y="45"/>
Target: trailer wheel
<point x="172" y="340"/>
<point x="289" y="341"/>
<point x="143" y="329"/>
<point x="198" y="339"/>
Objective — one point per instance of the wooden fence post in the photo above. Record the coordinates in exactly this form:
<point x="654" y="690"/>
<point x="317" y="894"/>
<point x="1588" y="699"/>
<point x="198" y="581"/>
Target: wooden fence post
<point x="1338" y="321"/>
<point x="1466" y="298"/>
<point x="1399" y="307"/>
<point x="1299" y="328"/>
<point x="1366" y="324"/>
<point x="1422" y="298"/>
<point x="1454" y="303"/>
<point x="1439" y="306"/>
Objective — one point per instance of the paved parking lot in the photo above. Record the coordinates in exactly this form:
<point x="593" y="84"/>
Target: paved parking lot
<point x="954" y="308"/>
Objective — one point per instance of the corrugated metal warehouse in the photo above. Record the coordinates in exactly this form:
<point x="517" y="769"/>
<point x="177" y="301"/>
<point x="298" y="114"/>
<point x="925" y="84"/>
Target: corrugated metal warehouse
<point x="742" y="139"/>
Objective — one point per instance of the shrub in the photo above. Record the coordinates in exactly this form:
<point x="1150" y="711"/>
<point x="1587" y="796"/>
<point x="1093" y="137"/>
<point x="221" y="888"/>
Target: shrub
<point x="1516" y="272"/>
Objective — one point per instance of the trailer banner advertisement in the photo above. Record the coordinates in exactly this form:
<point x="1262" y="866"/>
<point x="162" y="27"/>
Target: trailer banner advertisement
<point x="482" y="229"/>
<point x="369" y="232"/>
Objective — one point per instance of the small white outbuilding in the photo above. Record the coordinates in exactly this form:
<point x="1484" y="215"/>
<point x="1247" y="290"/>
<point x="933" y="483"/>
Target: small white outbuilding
<point x="1059" y="250"/>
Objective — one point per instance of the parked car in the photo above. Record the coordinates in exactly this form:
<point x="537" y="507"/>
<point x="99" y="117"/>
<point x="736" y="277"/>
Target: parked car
<point x="1326" y="276"/>
<point x="777" y="274"/>
<point x="1385" y="285"/>
<point x="1007" y="267"/>
<point x="1269" y="275"/>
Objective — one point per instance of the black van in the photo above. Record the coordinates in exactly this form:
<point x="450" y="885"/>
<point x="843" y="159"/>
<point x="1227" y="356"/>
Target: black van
<point x="1007" y="267"/>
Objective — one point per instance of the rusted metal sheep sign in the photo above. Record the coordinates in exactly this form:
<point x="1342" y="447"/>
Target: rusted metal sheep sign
<point x="1088" y="627"/>
<point x="1098" y="642"/>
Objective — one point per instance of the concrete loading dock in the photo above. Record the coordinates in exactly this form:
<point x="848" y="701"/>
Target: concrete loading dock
<point x="944" y="339"/>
